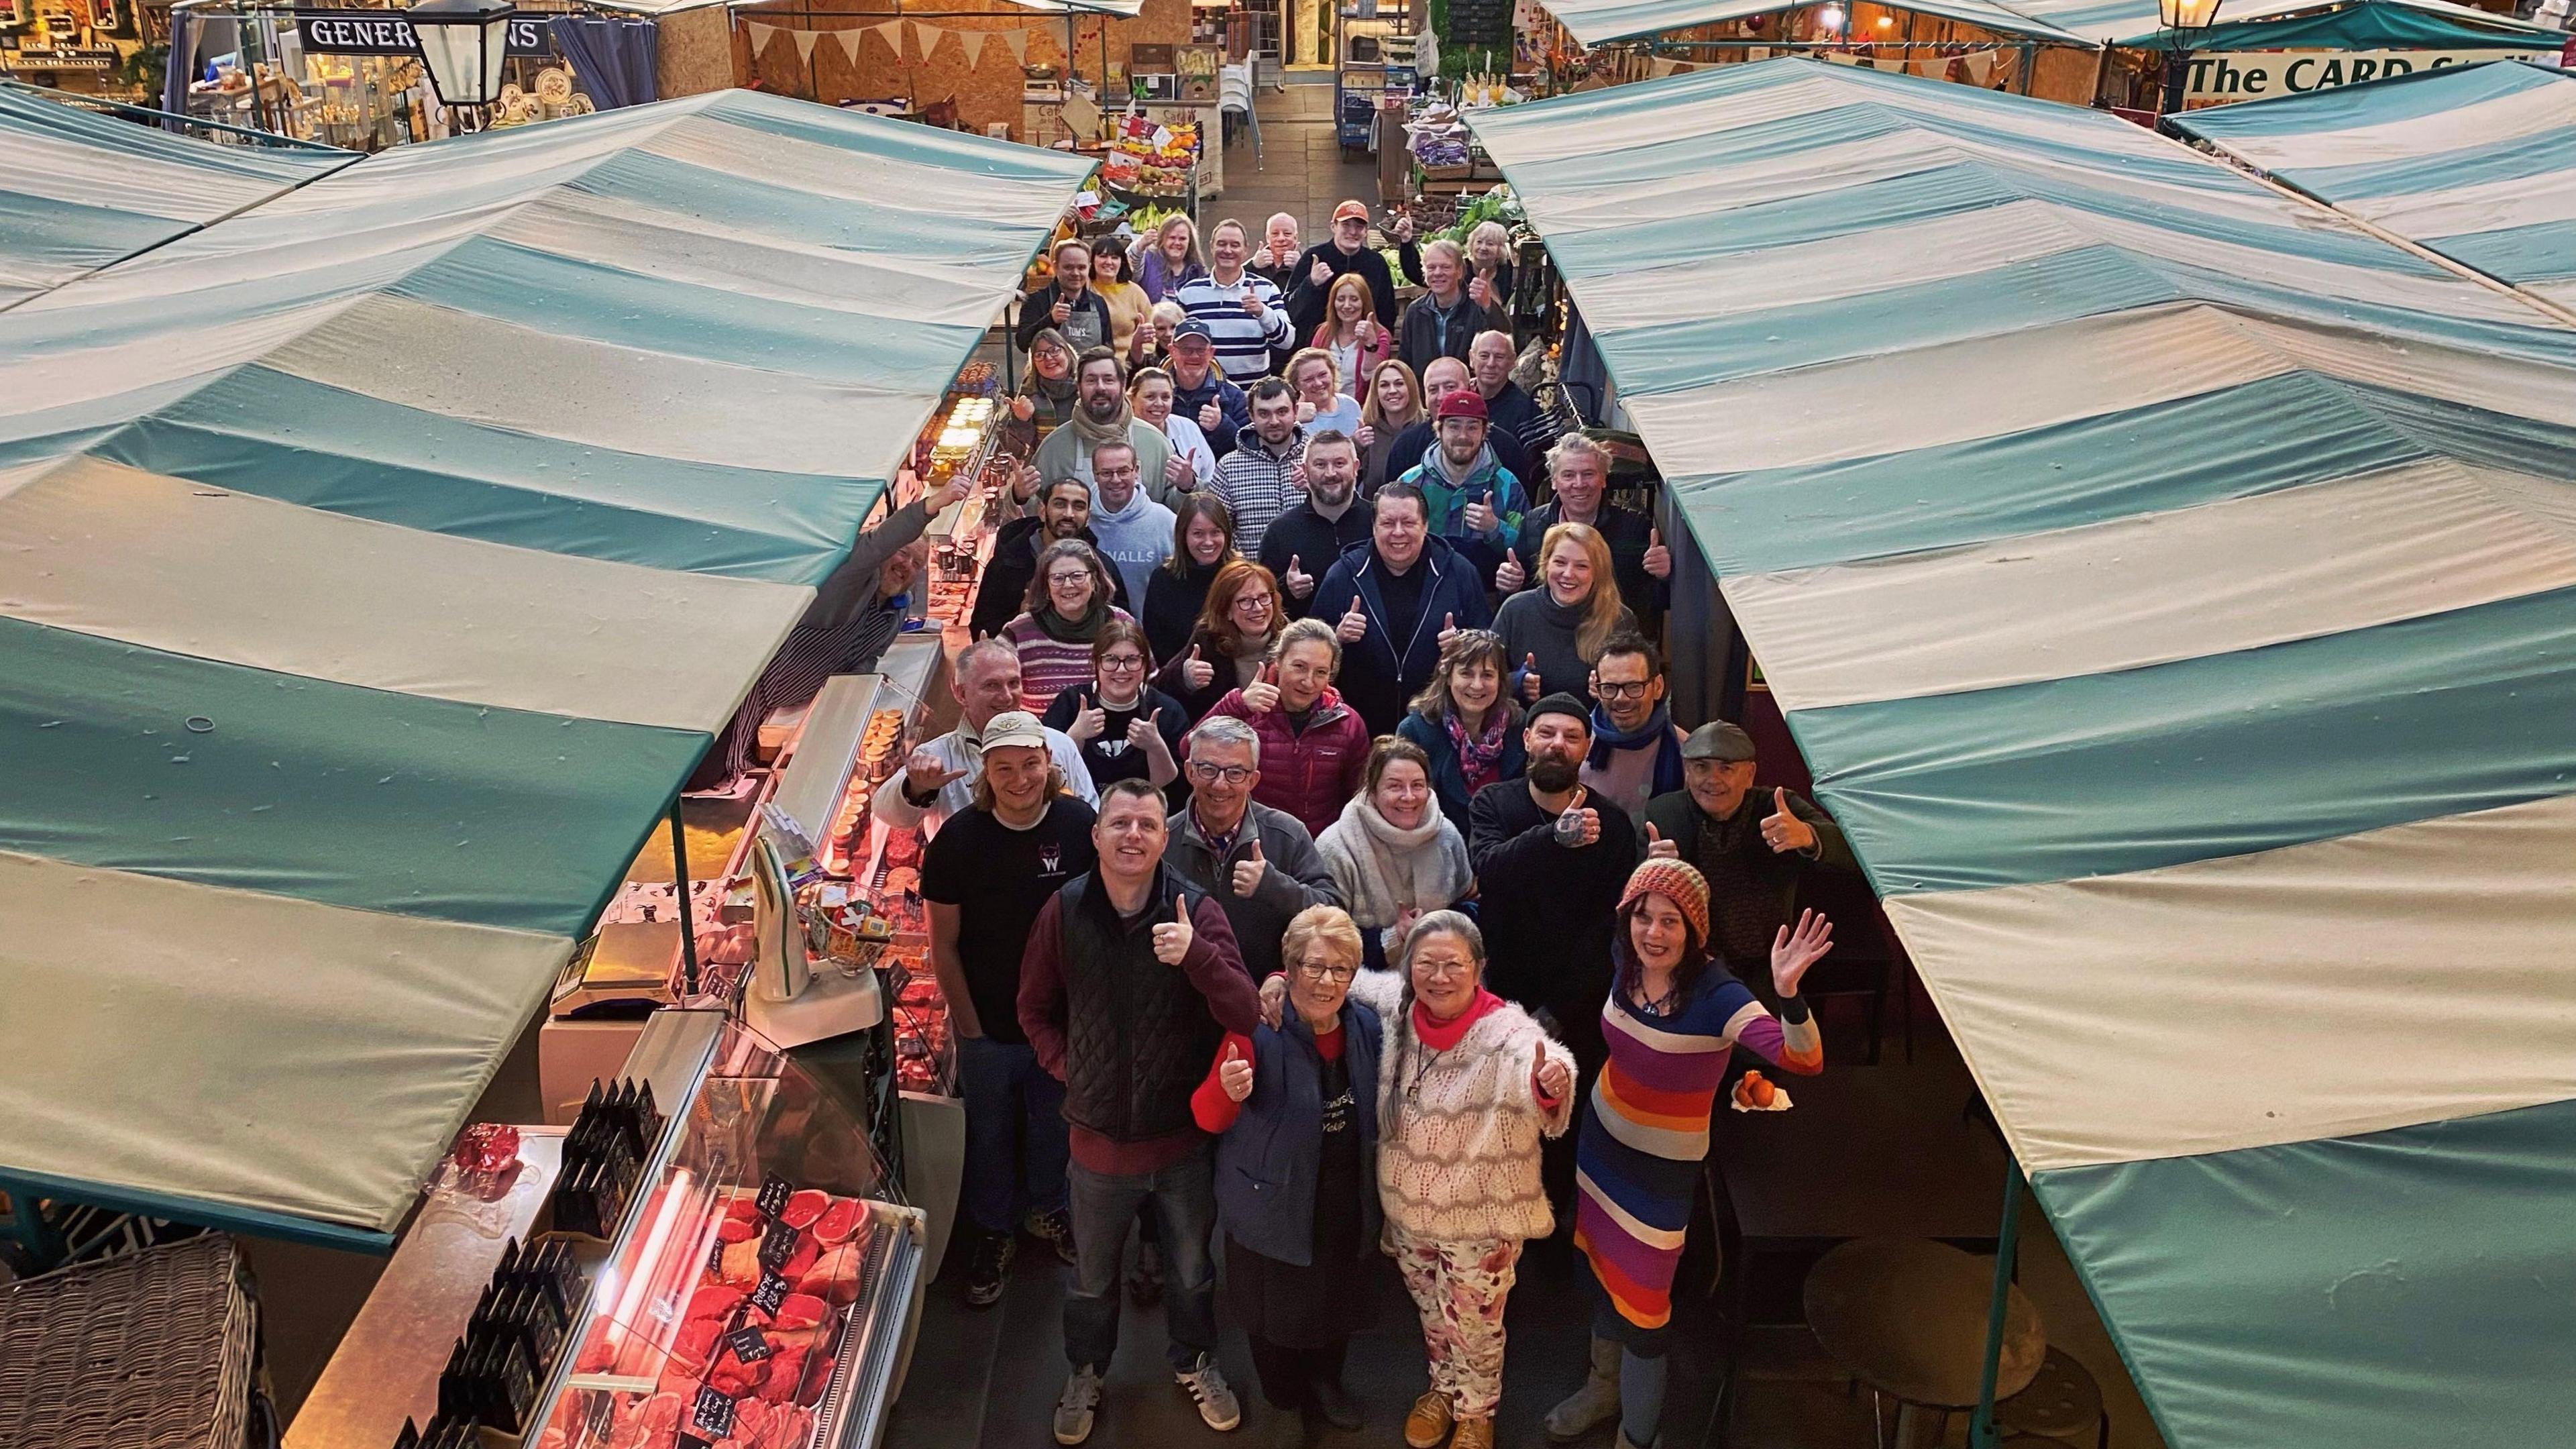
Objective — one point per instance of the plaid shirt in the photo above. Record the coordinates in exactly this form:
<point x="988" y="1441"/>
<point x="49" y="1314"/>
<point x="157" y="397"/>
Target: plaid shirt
<point x="1258" y="485"/>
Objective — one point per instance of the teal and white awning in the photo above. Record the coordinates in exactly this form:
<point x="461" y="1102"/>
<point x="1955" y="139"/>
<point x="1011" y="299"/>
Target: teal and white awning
<point x="80" y="190"/>
<point x="2372" y="23"/>
<point x="375" y="564"/>
<point x="2477" y="163"/>
<point x="1598" y="22"/>
<point x="2174" y="591"/>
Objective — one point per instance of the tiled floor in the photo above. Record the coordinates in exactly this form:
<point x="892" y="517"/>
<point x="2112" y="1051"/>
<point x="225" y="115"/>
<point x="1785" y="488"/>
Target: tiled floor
<point x="1301" y="170"/>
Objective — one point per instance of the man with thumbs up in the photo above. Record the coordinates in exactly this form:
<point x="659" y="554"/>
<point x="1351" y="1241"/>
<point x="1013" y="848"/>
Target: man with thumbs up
<point x="1259" y="863"/>
<point x="1328" y="521"/>
<point x="1130" y="982"/>
<point x="1411" y="593"/>
<point x="1753" y="845"/>
<point x="1578" y="471"/>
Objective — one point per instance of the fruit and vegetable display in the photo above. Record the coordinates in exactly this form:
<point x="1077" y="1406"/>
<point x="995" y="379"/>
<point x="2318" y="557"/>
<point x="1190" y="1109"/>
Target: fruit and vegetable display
<point x="758" y="1334"/>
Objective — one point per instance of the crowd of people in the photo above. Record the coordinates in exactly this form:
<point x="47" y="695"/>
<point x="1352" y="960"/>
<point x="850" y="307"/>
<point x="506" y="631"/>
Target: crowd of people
<point x="1316" y="844"/>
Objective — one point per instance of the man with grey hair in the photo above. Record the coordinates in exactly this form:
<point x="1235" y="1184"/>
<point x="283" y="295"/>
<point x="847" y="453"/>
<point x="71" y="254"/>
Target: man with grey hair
<point x="1578" y="470"/>
<point x="938" y="780"/>
<point x="1259" y="863"/>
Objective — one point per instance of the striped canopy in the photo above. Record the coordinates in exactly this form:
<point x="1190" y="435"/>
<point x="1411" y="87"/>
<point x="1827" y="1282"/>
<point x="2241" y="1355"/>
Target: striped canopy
<point x="79" y="190"/>
<point x="2477" y="163"/>
<point x="373" y="567"/>
<point x="1598" y="22"/>
<point x="2137" y="22"/>
<point x="2174" y="592"/>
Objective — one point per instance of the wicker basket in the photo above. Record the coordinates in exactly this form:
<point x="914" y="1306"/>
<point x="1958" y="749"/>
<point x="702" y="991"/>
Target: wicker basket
<point x="151" y="1351"/>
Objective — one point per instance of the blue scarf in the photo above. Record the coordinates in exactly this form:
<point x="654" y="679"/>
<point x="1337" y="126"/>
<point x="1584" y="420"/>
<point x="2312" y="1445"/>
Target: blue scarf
<point x="1657" y="730"/>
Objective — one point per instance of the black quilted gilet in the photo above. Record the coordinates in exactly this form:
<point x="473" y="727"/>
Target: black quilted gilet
<point x="1138" y="1035"/>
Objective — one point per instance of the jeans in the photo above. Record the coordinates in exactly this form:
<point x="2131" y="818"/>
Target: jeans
<point x="1182" y="1200"/>
<point x="1015" y="1148"/>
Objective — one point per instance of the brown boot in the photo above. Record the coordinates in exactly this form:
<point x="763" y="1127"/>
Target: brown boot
<point x="1428" y="1424"/>
<point x="1473" y="1434"/>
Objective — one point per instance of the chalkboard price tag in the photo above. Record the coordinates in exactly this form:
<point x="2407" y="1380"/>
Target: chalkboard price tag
<point x="778" y="1247"/>
<point x="774" y="1193"/>
<point x="712" y="1415"/>
<point x="749" y="1344"/>
<point x="770" y="1294"/>
<point x="715" y="1258"/>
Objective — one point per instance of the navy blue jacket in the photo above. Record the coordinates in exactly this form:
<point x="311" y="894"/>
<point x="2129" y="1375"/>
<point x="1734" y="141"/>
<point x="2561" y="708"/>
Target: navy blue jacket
<point x="1267" y="1161"/>
<point x="1381" y="675"/>
<point x="1448" y="782"/>
<point x="1234" y="413"/>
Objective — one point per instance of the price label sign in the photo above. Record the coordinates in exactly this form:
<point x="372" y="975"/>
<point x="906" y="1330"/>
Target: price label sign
<point x="715" y="1258"/>
<point x="771" y="1293"/>
<point x="748" y="1344"/>
<point x="774" y="1193"/>
<point x="712" y="1414"/>
<point x="778" y="1247"/>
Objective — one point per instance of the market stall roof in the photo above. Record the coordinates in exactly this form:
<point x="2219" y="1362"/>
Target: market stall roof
<point x="1598" y="22"/>
<point x="79" y="190"/>
<point x="2477" y="162"/>
<point x="375" y="564"/>
<point x="2174" y="591"/>
<point x="2244" y="24"/>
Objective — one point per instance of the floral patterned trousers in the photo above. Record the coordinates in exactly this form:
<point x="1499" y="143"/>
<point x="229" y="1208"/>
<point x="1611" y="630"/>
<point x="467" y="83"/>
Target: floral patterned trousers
<point x="1459" y="1288"/>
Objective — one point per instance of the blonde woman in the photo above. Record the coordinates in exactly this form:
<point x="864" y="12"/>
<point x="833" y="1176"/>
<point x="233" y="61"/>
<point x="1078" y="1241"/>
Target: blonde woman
<point x="1391" y="404"/>
<point x="1172" y="259"/>
<point x="1489" y="248"/>
<point x="1127" y="303"/>
<point x="1351" y="334"/>
<point x="1468" y="1084"/>
<point x="1552" y="634"/>
<point x="1322" y="406"/>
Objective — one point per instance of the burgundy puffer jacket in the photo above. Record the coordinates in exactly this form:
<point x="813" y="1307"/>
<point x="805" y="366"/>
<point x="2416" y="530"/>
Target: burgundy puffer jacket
<point x="1310" y="773"/>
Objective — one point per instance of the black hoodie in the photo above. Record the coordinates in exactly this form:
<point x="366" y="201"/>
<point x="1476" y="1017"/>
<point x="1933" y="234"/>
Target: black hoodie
<point x="1000" y="597"/>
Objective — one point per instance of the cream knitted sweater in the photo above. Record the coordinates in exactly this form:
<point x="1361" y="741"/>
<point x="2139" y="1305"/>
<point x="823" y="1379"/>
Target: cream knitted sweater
<point x="1458" y="1131"/>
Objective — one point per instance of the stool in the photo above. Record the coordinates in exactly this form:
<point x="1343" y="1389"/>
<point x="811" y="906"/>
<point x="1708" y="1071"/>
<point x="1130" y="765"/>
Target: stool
<point x="1907" y="1317"/>
<point x="2061" y="1404"/>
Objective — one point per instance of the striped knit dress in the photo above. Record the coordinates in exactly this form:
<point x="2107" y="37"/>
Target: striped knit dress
<point x="1645" y="1134"/>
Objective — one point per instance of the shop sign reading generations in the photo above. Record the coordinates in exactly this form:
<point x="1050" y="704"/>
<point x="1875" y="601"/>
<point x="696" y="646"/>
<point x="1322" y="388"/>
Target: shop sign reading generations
<point x="2244" y="75"/>
<point x="386" y="32"/>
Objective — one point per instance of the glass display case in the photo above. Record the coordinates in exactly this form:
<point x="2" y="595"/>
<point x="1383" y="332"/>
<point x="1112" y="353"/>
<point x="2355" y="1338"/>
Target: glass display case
<point x="761" y="1284"/>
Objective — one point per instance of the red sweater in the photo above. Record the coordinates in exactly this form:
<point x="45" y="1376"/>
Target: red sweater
<point x="1310" y="773"/>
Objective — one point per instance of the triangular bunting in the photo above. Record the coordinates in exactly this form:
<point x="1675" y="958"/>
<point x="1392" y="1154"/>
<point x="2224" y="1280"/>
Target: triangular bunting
<point x="761" y="35"/>
<point x="973" y="40"/>
<point x="892" y="34"/>
<point x="805" y="44"/>
<point x="927" y="37"/>
<point x="1018" y="41"/>
<point x="848" y="39"/>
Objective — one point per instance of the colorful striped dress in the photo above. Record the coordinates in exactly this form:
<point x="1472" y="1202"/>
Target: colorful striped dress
<point x="1645" y="1134"/>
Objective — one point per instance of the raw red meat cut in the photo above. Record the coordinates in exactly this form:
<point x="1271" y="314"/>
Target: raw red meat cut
<point x="741" y="1264"/>
<point x="733" y="1378"/>
<point x="804" y="1207"/>
<point x="807" y="1251"/>
<point x="786" y="1428"/>
<point x="818" y="1374"/>
<point x="696" y="1341"/>
<point x="802" y="1310"/>
<point x="713" y="1301"/>
<point x="596" y="1357"/>
<point x="835" y="1276"/>
<point x="786" y="1373"/>
<point x="840" y="1222"/>
<point x="741" y="1221"/>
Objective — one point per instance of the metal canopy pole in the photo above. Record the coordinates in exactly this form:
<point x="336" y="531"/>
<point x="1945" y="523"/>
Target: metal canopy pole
<point x="1981" y="1427"/>
<point x="688" y="928"/>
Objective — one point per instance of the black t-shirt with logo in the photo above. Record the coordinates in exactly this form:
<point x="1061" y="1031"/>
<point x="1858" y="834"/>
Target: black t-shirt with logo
<point x="999" y="879"/>
<point x="1108" y="755"/>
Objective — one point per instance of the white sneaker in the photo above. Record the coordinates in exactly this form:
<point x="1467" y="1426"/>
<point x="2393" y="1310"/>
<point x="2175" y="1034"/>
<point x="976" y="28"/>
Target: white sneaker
<point x="1075" y="1406"/>
<point x="1217" y="1404"/>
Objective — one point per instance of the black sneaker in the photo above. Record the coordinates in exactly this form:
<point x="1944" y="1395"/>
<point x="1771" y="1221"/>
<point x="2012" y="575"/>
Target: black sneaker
<point x="1053" y="1229"/>
<point x="990" y="1271"/>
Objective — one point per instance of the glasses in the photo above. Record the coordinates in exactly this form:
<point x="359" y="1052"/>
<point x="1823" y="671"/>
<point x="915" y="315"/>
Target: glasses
<point x="1329" y="974"/>
<point x="1231" y="774"/>
<point x="1441" y="969"/>
<point x="1622" y="691"/>
<point x="1122" y="661"/>
<point x="1081" y="577"/>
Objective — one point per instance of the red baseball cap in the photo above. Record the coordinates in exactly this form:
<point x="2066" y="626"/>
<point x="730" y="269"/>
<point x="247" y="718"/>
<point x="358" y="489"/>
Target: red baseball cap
<point x="1350" y="209"/>
<point x="1464" y="403"/>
